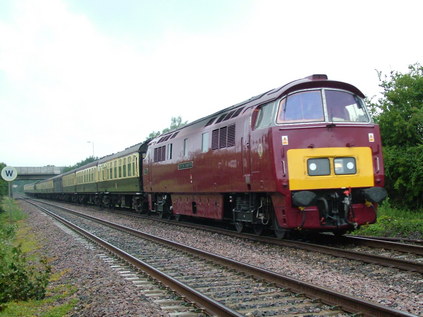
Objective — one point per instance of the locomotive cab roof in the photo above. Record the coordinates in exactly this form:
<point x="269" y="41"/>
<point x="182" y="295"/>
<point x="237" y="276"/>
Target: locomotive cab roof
<point x="309" y="82"/>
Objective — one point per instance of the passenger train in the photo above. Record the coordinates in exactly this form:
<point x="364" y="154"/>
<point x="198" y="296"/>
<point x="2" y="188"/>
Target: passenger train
<point x="302" y="157"/>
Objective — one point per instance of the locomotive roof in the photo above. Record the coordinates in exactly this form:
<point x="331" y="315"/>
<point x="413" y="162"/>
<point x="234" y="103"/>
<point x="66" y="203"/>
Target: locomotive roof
<point x="313" y="81"/>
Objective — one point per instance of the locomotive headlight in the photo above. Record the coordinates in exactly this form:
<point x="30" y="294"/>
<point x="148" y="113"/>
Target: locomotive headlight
<point x="345" y="165"/>
<point x="318" y="166"/>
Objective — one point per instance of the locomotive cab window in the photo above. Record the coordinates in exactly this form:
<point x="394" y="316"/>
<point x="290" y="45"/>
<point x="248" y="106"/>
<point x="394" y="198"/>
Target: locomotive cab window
<point x="306" y="106"/>
<point x="343" y="106"/>
<point x="322" y="105"/>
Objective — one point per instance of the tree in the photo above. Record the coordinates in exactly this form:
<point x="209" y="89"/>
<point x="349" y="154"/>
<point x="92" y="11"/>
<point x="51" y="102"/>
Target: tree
<point x="4" y="186"/>
<point x="399" y="113"/>
<point x="176" y="122"/>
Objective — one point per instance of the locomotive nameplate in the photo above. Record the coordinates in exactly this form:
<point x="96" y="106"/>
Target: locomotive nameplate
<point x="185" y="165"/>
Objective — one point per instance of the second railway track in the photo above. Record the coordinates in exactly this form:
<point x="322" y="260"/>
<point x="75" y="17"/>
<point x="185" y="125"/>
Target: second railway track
<point x="247" y="293"/>
<point x="403" y="256"/>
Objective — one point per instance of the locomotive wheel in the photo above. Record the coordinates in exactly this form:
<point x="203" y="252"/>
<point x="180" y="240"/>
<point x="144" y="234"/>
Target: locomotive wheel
<point x="258" y="229"/>
<point x="339" y="233"/>
<point x="281" y="233"/>
<point x="165" y="215"/>
<point x="239" y="226"/>
<point x="178" y="217"/>
<point x="136" y="204"/>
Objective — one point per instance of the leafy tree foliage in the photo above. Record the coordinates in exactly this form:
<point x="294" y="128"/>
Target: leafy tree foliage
<point x="400" y="115"/>
<point x="176" y="122"/>
<point x="3" y="184"/>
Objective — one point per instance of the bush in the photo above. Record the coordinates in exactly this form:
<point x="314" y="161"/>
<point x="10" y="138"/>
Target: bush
<point x="399" y="113"/>
<point x="394" y="222"/>
<point x="404" y="175"/>
<point x="20" y="279"/>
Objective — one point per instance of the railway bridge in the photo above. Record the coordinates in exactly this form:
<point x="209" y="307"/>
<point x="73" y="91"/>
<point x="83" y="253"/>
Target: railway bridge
<point x="38" y="173"/>
<point x="28" y="175"/>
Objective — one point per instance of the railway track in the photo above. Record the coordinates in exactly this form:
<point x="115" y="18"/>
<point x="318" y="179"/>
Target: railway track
<point x="330" y="245"/>
<point x="221" y="286"/>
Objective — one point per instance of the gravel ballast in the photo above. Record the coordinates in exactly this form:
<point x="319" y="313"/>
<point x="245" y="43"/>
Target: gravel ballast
<point x="102" y="292"/>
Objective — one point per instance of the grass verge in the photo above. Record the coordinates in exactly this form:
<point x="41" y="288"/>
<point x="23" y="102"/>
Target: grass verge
<point x="43" y="294"/>
<point x="395" y="222"/>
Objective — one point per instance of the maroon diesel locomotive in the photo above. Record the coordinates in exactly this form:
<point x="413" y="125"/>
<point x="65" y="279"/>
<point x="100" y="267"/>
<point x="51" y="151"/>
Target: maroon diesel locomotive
<point x="305" y="156"/>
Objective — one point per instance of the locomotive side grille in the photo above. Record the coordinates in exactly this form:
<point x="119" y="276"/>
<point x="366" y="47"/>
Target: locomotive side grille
<point x="231" y="135"/>
<point x="160" y="154"/>
<point x="215" y="139"/>
<point x="222" y="137"/>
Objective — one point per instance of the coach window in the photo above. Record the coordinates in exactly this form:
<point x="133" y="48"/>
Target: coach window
<point x="120" y="168"/>
<point x="124" y="167"/>
<point x="129" y="166"/>
<point x="205" y="142"/>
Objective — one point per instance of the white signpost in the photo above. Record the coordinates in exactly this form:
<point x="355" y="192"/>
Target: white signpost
<point x="9" y="174"/>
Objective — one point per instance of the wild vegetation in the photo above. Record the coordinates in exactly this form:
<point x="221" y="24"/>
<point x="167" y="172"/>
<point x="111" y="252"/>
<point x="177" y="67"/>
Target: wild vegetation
<point x="24" y="273"/>
<point x="399" y="113"/>
<point x="394" y="222"/>
<point x="23" y="276"/>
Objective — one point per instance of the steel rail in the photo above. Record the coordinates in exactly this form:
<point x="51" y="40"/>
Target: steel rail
<point x="392" y="239"/>
<point x="208" y="304"/>
<point x="379" y="243"/>
<point x="347" y="302"/>
<point x="352" y="255"/>
<point x="348" y="254"/>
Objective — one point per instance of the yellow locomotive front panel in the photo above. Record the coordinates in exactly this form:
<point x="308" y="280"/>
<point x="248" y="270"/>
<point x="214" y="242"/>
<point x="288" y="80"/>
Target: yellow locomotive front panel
<point x="326" y="168"/>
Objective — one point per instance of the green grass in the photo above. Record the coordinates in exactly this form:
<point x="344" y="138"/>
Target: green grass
<point x="57" y="303"/>
<point x="17" y="233"/>
<point x="395" y="222"/>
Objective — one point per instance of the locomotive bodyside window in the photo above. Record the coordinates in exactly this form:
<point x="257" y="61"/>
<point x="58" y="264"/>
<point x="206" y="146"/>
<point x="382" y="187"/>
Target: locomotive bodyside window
<point x="345" y="107"/>
<point x="306" y="106"/>
<point x="185" y="147"/>
<point x="205" y="142"/>
<point x="265" y="116"/>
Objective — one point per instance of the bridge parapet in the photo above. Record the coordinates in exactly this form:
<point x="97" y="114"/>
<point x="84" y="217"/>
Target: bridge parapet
<point x="38" y="172"/>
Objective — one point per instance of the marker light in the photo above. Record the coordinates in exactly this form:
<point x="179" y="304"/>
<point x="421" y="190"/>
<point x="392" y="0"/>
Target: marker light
<point x="318" y="166"/>
<point x="345" y="165"/>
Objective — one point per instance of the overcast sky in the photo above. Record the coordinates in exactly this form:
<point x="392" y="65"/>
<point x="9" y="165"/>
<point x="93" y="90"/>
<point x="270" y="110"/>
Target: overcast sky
<point x="112" y="71"/>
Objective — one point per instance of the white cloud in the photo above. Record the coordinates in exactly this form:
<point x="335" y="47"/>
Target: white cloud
<point x="67" y="82"/>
